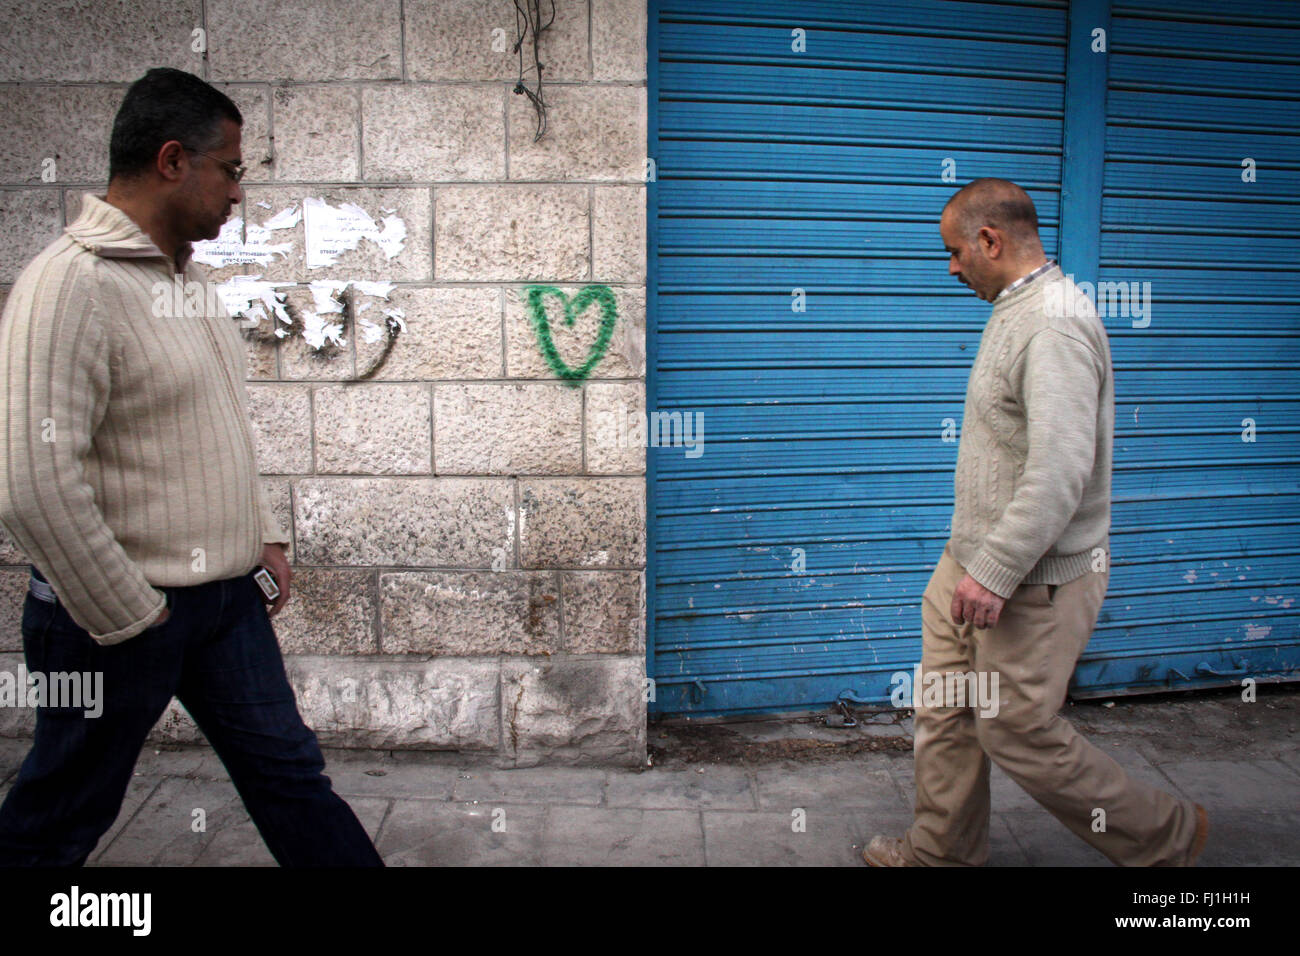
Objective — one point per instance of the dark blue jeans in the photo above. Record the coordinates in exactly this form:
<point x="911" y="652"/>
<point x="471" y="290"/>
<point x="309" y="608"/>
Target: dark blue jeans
<point x="219" y="656"/>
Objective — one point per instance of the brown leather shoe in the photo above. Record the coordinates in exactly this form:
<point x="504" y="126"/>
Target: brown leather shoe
<point x="885" y="851"/>
<point x="1202" y="834"/>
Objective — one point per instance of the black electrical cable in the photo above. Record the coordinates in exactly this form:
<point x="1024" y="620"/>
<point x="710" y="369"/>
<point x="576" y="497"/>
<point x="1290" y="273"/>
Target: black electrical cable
<point x="528" y="19"/>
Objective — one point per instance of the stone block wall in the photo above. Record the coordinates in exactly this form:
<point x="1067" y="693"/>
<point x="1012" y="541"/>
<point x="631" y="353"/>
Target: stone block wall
<point x="469" y="552"/>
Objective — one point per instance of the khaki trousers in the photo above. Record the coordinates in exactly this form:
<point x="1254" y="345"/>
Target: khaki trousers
<point x="1032" y="651"/>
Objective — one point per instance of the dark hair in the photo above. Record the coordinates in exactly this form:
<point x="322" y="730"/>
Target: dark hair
<point x="163" y="105"/>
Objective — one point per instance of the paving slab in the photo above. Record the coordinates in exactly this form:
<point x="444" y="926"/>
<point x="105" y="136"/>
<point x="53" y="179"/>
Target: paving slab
<point x="1237" y="784"/>
<point x="242" y="845"/>
<point x="351" y="772"/>
<point x="619" y="836"/>
<point x="835" y="787"/>
<point x="161" y="832"/>
<point x="389" y="779"/>
<point x="199" y="763"/>
<point x="543" y="785"/>
<point x="1004" y="848"/>
<point x="1252" y="838"/>
<point x="423" y="833"/>
<point x="138" y="792"/>
<point x="238" y="845"/>
<point x="713" y="787"/>
<point x="817" y="837"/>
<point x="1045" y="841"/>
<point x="829" y="838"/>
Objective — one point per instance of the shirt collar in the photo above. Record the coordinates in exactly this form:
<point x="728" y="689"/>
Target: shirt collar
<point x="1026" y="279"/>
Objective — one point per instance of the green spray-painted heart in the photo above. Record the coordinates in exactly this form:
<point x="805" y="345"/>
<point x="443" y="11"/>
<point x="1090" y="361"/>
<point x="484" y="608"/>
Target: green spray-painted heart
<point x="573" y="307"/>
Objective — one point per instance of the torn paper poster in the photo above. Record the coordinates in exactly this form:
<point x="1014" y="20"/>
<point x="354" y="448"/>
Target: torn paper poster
<point x="236" y="245"/>
<point x="255" y="300"/>
<point x="381" y="289"/>
<point x="325" y="294"/>
<point x="334" y="230"/>
<point x="226" y="249"/>
<point x="316" y="331"/>
<point x="393" y="318"/>
<point x="284" y="219"/>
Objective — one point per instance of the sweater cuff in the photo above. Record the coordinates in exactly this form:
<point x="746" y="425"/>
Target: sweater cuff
<point x="271" y="531"/>
<point x="995" y="576"/>
<point x="131" y="630"/>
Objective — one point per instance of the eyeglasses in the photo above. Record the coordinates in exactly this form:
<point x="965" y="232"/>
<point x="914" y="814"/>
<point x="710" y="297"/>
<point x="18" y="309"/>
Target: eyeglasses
<point x="234" y="171"/>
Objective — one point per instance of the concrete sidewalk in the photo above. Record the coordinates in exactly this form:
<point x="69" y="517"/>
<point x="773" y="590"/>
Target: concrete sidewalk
<point x="733" y="794"/>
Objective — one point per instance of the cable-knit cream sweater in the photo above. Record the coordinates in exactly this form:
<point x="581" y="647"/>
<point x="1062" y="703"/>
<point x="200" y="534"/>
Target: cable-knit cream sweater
<point x="1033" y="466"/>
<point x="128" y="458"/>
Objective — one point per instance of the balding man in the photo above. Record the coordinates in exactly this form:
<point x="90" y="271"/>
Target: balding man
<point x="1013" y="600"/>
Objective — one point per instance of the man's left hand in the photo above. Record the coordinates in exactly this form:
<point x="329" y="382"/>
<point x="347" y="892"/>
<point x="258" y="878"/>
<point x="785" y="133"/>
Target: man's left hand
<point x="972" y="601"/>
<point x="275" y="561"/>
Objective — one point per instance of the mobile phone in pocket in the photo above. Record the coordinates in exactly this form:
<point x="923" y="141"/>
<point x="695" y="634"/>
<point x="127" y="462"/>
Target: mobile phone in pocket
<point x="266" y="582"/>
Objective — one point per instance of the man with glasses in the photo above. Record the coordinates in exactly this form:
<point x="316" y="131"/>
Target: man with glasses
<point x="234" y="170"/>
<point x="128" y="476"/>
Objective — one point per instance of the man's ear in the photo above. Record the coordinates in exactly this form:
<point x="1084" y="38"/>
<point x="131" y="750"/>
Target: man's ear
<point x="989" y="241"/>
<point x="171" y="160"/>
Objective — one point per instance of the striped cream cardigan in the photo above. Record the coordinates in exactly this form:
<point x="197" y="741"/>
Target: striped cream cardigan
<point x="128" y="460"/>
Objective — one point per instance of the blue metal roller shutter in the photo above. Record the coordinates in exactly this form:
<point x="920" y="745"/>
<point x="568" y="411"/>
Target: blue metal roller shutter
<point x="819" y="171"/>
<point x="781" y="170"/>
<point x="1206" y="533"/>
